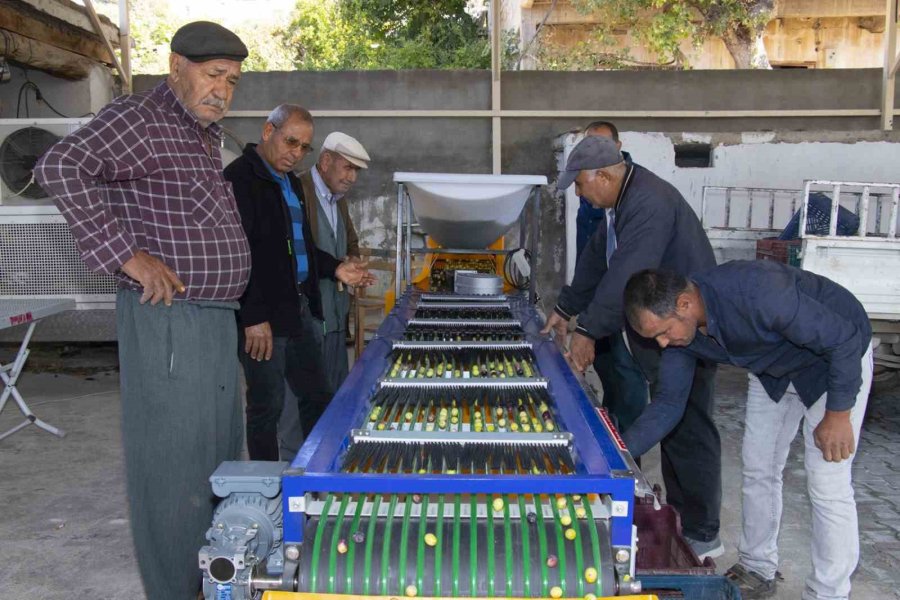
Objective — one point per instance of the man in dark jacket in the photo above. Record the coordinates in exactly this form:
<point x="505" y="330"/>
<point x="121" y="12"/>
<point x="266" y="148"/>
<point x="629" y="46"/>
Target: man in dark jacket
<point x="649" y="225"/>
<point x="806" y="342"/>
<point x="279" y="339"/>
<point x="624" y="385"/>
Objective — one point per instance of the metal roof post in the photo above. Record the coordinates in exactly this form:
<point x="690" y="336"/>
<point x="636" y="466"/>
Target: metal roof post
<point x="891" y="61"/>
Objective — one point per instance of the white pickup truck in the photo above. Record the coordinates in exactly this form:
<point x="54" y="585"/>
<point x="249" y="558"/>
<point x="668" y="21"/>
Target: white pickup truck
<point x="867" y="264"/>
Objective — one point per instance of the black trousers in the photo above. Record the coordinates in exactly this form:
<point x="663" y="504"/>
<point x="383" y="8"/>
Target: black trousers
<point x="297" y="360"/>
<point x="624" y="384"/>
<point x="692" y="452"/>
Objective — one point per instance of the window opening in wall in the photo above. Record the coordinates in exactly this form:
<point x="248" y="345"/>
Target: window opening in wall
<point x="693" y="155"/>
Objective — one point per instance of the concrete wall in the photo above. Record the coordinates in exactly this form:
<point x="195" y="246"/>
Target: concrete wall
<point x="72" y="98"/>
<point x="463" y="144"/>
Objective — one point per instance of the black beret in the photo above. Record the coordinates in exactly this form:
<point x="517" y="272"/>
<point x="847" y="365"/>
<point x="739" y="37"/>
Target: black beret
<point x="201" y="41"/>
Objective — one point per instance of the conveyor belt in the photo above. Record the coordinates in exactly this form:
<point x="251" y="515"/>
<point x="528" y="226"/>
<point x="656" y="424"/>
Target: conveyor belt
<point x="449" y="552"/>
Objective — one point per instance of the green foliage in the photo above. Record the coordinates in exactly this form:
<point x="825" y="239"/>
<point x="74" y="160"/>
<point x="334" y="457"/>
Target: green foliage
<point x="663" y="25"/>
<point x="318" y="38"/>
<point x="385" y="34"/>
<point x="152" y="29"/>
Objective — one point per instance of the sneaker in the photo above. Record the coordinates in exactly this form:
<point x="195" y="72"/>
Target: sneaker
<point x="712" y="549"/>
<point x="752" y="585"/>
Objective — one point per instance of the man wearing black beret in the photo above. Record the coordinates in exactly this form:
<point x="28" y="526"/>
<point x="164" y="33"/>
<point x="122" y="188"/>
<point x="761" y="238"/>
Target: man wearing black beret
<point x="141" y="188"/>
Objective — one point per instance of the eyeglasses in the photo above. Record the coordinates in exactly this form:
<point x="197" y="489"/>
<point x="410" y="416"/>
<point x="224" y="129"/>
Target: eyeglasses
<point x="293" y="143"/>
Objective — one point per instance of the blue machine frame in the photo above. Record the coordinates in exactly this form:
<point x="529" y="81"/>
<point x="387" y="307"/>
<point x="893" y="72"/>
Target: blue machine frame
<point x="602" y="463"/>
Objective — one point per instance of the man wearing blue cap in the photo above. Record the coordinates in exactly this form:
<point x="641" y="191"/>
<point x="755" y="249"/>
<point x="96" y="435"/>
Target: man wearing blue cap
<point x="648" y="225"/>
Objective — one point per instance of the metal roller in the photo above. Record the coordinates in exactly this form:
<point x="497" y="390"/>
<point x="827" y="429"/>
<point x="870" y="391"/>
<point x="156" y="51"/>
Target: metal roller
<point x="433" y="297"/>
<point x="511" y="547"/>
<point x="452" y="407"/>
<point x="453" y="457"/>
<point x="472" y="312"/>
<point x="477" y="284"/>
<point x="434" y="334"/>
<point x="462" y="363"/>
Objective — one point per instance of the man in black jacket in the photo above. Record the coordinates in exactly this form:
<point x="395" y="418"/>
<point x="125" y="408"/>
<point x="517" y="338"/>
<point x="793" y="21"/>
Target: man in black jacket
<point x="279" y="339"/>
<point x="648" y="225"/>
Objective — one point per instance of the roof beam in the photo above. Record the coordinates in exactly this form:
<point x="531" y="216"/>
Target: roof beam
<point x="45" y="57"/>
<point x="76" y="15"/>
<point x="98" y="27"/>
<point x="24" y="20"/>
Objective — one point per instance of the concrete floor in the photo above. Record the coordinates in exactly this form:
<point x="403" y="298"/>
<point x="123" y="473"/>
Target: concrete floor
<point x="64" y="522"/>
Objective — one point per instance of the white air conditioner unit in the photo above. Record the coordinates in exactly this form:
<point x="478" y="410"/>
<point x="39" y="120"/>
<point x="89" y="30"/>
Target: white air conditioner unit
<point x="38" y="257"/>
<point x="22" y="142"/>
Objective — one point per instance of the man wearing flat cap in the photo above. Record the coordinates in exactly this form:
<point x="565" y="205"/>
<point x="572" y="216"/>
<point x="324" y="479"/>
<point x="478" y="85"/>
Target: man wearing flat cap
<point x="326" y="185"/>
<point x="280" y="318"/>
<point x="141" y="188"/>
<point x="649" y="225"/>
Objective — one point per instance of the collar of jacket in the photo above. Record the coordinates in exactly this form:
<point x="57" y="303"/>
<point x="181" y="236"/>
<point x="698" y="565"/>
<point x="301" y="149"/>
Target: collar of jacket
<point x="259" y="167"/>
<point x="626" y="184"/>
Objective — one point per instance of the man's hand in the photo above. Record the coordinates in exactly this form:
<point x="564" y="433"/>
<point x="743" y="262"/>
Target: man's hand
<point x="581" y="352"/>
<point x="558" y="325"/>
<point x="159" y="281"/>
<point x="354" y="272"/>
<point x="259" y="341"/>
<point x="834" y="436"/>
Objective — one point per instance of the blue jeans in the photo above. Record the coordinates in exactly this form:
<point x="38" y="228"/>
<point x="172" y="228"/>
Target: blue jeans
<point x="624" y="384"/>
<point x="296" y="360"/>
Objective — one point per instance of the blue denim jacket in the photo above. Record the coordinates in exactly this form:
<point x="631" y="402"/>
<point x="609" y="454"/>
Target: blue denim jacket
<point x="785" y="325"/>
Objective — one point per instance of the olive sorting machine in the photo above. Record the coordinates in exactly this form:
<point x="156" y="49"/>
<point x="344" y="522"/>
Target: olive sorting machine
<point x="460" y="458"/>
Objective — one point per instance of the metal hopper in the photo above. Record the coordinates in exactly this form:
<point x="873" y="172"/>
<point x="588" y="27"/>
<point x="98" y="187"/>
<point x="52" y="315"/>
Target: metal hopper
<point x="467" y="211"/>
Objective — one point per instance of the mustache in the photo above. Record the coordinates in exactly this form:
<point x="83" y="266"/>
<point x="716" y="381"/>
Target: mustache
<point x="220" y="104"/>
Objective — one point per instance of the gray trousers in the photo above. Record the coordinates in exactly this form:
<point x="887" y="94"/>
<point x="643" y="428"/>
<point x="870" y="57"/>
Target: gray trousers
<point x="769" y="429"/>
<point x="181" y="417"/>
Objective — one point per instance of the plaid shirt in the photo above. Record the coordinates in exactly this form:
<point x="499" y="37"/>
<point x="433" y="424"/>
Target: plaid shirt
<point x="145" y="175"/>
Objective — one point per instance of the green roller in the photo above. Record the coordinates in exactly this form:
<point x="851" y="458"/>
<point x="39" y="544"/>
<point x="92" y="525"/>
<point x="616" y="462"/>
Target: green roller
<point x="542" y="545"/>
<point x="317" y="543"/>
<point x="439" y="548"/>
<point x="579" y="559"/>
<point x="404" y="541"/>
<point x="420" y="546"/>
<point x="560" y="546"/>
<point x="456" y="549"/>
<point x="595" y="542"/>
<point x="526" y="548"/>
<point x="335" y="539"/>
<point x="490" y="554"/>
<point x="386" y="546"/>
<point x="473" y="546"/>
<point x="370" y="541"/>
<point x="351" y="552"/>
<point x="507" y="533"/>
